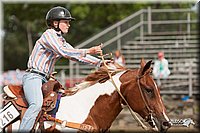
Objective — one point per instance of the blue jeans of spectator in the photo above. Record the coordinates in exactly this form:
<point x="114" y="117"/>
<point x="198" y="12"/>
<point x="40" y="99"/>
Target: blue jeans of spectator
<point x="32" y="84"/>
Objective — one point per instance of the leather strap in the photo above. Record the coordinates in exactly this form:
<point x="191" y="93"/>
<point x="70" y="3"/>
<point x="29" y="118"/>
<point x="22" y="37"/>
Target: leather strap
<point x="37" y="120"/>
<point x="82" y="127"/>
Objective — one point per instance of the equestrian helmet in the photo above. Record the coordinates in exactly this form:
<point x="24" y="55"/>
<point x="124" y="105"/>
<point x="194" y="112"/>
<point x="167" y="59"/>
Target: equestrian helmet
<point x="58" y="13"/>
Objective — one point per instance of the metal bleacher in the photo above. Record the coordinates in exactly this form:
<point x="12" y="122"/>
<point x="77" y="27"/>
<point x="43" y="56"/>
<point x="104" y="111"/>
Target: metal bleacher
<point x="143" y="35"/>
<point x="181" y="50"/>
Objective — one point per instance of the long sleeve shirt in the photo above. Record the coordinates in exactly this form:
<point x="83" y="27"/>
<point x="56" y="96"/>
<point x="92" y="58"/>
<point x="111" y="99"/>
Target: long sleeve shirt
<point x="50" y="47"/>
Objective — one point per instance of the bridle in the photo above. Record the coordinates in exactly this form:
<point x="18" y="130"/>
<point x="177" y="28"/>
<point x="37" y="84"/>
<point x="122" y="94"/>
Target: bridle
<point x="149" y="118"/>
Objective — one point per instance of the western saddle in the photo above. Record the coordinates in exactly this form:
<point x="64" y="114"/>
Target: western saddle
<point x="50" y="91"/>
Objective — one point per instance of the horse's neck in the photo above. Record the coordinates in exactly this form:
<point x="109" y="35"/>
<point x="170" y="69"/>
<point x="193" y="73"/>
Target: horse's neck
<point x="99" y="101"/>
<point x="106" y="108"/>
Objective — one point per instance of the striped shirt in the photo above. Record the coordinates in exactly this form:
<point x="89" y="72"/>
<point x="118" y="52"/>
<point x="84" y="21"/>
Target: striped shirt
<point x="50" y="47"/>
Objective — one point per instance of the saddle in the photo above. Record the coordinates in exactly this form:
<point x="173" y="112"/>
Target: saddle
<point x="50" y="91"/>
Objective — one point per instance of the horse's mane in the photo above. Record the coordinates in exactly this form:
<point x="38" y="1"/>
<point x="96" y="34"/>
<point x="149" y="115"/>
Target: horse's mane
<point x="101" y="75"/>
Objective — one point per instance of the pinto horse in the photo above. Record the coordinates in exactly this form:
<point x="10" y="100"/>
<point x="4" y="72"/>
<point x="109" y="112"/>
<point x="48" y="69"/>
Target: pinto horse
<point x="98" y="104"/>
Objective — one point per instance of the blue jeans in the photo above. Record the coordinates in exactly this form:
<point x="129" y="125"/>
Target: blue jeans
<point x="32" y="84"/>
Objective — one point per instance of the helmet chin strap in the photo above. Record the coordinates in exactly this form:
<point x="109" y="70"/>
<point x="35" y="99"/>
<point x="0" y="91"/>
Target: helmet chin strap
<point x="58" y="29"/>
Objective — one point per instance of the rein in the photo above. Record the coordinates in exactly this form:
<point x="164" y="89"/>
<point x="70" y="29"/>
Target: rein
<point x="130" y="109"/>
<point x="148" y="118"/>
<point x="140" y="89"/>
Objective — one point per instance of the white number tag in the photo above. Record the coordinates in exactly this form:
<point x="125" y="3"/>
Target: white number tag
<point x="8" y="114"/>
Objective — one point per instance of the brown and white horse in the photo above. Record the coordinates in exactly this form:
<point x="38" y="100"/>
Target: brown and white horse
<point x="99" y="104"/>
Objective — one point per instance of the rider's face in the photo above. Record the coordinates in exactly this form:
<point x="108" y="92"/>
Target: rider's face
<point x="64" y="25"/>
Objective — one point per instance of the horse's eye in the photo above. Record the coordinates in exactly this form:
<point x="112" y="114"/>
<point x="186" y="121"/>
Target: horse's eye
<point x="149" y="91"/>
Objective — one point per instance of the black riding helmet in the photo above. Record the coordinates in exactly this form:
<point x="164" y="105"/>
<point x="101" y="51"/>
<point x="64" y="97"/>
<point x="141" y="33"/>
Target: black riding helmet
<point x="57" y="13"/>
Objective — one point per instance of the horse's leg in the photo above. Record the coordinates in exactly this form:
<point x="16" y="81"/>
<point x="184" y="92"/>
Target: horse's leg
<point x="9" y="128"/>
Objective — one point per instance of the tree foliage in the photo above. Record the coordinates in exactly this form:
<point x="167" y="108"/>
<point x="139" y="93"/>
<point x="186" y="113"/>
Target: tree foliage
<point x="90" y="19"/>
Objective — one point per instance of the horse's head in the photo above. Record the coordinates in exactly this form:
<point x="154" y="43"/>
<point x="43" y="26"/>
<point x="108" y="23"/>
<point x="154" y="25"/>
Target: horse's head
<point x="143" y="95"/>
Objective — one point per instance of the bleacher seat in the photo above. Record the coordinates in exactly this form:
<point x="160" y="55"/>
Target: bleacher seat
<point x="181" y="50"/>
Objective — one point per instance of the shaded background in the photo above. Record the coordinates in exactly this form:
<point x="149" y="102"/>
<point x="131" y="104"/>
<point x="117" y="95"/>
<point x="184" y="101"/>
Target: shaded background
<point x="24" y="23"/>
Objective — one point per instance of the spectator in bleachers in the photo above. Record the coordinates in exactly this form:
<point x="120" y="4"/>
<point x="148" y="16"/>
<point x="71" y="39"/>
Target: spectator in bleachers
<point x="119" y="58"/>
<point x="160" y="69"/>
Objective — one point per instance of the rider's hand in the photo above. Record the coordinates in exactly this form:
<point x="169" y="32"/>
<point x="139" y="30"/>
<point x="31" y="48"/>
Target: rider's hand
<point x="95" y="50"/>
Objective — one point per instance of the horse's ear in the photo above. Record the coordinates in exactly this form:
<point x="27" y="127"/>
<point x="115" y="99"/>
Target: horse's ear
<point x="142" y="63"/>
<point x="145" y="67"/>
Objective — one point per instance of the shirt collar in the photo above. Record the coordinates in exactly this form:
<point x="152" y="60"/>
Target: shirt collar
<point x="58" y="33"/>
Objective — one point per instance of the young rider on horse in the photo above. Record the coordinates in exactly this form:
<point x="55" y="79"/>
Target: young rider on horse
<point x="48" y="49"/>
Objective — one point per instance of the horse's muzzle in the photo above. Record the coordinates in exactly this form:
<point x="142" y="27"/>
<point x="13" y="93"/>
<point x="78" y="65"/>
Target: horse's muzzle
<point x="165" y="126"/>
<point x="158" y="125"/>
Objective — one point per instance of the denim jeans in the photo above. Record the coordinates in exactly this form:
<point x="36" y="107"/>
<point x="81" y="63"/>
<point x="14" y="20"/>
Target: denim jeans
<point x="32" y="84"/>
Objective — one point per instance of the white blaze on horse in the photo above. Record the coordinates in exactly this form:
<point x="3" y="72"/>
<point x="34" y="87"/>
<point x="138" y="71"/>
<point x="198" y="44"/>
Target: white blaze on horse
<point x="97" y="103"/>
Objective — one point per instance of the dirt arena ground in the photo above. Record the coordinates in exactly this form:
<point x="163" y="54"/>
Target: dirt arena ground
<point x="176" y="109"/>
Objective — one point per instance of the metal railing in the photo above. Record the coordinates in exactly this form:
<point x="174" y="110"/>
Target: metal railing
<point x="139" y="24"/>
<point x="188" y="86"/>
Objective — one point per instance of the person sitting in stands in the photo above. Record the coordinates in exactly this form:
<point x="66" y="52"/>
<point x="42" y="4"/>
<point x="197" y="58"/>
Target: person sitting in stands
<point x="119" y="58"/>
<point x="160" y="68"/>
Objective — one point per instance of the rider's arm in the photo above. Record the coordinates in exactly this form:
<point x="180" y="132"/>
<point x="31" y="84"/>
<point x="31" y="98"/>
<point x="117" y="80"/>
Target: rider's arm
<point x="61" y="47"/>
<point x="88" y="59"/>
